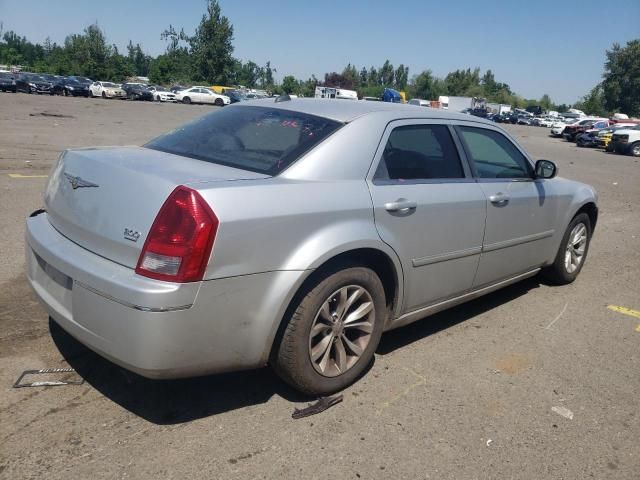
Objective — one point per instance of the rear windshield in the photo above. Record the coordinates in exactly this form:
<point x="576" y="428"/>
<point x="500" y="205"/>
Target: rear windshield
<point x="259" y="139"/>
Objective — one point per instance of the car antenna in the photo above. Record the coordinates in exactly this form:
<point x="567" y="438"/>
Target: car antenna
<point x="283" y="98"/>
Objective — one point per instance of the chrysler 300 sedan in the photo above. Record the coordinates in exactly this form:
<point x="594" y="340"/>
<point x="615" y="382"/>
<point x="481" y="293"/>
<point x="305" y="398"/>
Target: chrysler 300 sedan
<point x="294" y="233"/>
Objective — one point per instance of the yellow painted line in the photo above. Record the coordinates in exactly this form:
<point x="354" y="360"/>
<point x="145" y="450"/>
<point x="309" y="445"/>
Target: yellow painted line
<point x="638" y="328"/>
<point x="19" y="175"/>
<point x="422" y="380"/>
<point x="624" y="310"/>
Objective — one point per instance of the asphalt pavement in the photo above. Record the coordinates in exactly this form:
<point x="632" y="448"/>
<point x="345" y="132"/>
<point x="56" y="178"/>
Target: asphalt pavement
<point x="531" y="382"/>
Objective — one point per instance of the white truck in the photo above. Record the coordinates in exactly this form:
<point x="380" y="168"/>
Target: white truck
<point x="335" y="92"/>
<point x="499" y="108"/>
<point x="627" y="141"/>
<point x="474" y="105"/>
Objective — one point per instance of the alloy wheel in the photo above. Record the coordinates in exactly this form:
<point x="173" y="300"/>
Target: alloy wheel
<point x="576" y="246"/>
<point x="341" y="330"/>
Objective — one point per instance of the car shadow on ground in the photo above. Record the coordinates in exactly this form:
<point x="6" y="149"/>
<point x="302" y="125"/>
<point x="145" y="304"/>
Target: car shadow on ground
<point x="168" y="402"/>
<point x="416" y="331"/>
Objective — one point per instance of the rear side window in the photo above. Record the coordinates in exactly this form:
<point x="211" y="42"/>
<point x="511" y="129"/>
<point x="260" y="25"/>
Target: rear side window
<point x="259" y="139"/>
<point x="493" y="154"/>
<point x="419" y="152"/>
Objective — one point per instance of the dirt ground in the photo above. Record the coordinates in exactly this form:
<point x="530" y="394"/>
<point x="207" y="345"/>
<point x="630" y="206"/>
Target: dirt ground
<point x="471" y="393"/>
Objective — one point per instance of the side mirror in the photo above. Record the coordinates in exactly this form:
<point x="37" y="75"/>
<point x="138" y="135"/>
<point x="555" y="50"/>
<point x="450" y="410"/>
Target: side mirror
<point x="546" y="169"/>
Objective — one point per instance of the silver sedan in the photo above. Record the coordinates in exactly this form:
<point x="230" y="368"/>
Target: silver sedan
<point x="294" y="233"/>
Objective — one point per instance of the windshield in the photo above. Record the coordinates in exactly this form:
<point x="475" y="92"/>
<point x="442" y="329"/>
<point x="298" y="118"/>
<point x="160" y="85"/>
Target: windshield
<point x="109" y="84"/>
<point x="161" y="89"/>
<point x="259" y="139"/>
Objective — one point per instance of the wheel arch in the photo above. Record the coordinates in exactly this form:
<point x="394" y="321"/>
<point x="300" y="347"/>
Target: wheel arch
<point x="591" y="210"/>
<point x="380" y="258"/>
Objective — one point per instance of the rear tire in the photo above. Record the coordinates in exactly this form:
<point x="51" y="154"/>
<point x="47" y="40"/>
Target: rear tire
<point x="331" y="336"/>
<point x="572" y="252"/>
<point x="634" y="149"/>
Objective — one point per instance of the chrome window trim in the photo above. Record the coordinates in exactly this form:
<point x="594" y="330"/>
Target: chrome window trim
<point x="508" y="137"/>
<point x="468" y="175"/>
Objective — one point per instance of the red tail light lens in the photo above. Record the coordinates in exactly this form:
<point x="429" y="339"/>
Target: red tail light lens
<point x="179" y="244"/>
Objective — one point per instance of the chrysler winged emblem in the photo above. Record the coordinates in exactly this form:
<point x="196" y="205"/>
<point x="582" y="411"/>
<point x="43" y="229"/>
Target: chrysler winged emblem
<point x="77" y="182"/>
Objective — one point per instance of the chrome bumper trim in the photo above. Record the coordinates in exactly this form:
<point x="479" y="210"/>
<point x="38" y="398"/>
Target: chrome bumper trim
<point x="131" y="305"/>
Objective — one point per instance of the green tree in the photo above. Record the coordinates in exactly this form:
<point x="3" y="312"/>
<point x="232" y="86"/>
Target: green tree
<point x="363" y="76"/>
<point x="401" y="77"/>
<point x="593" y="103"/>
<point x="387" y="74"/>
<point x="289" y="84"/>
<point x="621" y="84"/>
<point x="545" y="102"/>
<point x="464" y="82"/>
<point x="211" y="46"/>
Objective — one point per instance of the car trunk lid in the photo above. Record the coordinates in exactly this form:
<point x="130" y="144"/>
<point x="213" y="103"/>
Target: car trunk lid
<point x="106" y="199"/>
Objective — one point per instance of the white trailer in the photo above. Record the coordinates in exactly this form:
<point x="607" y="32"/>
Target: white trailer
<point x="334" y="92"/>
<point x="499" y="108"/>
<point x="455" y="104"/>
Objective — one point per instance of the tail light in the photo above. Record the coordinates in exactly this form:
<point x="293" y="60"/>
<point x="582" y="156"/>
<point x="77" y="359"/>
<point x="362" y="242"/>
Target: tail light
<point x="179" y="243"/>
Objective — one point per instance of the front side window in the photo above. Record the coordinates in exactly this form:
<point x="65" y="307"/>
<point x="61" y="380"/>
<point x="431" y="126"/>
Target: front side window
<point x="419" y="152"/>
<point x="493" y="154"/>
<point x="260" y="139"/>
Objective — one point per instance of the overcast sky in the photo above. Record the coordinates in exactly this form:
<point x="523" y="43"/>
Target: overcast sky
<point x="555" y="47"/>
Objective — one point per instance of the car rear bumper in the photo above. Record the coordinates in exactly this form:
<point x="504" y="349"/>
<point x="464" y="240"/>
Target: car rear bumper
<point x="156" y="329"/>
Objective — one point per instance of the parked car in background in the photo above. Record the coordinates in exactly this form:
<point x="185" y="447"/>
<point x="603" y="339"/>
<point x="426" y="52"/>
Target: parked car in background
<point x="524" y="120"/>
<point x="33" y="83"/>
<point x="202" y="95"/>
<point x="236" y="96"/>
<point x="350" y="245"/>
<point x="627" y="141"/>
<point x="138" y="91"/>
<point x="588" y="138"/>
<point x="7" y="82"/>
<point x="605" y="135"/>
<point x="500" y="118"/>
<point x="419" y="102"/>
<point x="106" y="90"/>
<point x="558" y="127"/>
<point x="572" y="131"/>
<point x="70" y="87"/>
<point x="161" y="94"/>
<point x="547" y="122"/>
<point x="83" y="80"/>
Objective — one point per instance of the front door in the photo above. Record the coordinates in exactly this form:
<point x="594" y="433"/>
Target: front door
<point x="428" y="209"/>
<point x="520" y="209"/>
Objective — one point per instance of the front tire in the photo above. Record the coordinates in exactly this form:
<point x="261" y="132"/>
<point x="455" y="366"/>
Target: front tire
<point x="186" y="100"/>
<point x="572" y="252"/>
<point x="332" y="334"/>
<point x="218" y="102"/>
<point x="634" y="149"/>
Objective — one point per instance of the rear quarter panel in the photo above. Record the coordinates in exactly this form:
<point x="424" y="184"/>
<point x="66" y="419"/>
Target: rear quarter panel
<point x="282" y="224"/>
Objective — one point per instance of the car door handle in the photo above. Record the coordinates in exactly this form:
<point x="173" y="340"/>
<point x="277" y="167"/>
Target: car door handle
<point x="400" y="205"/>
<point x="499" y="198"/>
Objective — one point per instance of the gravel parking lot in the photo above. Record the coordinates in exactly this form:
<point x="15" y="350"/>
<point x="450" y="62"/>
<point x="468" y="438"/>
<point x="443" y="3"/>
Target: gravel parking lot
<point x="471" y="393"/>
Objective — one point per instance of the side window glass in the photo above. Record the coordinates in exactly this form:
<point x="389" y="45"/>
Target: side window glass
<point x="419" y="152"/>
<point x="493" y="154"/>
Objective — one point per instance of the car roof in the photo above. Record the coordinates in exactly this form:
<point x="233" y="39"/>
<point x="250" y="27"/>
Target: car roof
<point x="348" y="110"/>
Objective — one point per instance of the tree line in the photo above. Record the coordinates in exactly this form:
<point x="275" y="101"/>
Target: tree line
<point x="207" y="57"/>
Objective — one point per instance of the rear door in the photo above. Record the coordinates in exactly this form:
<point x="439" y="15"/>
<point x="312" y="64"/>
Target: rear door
<point x="520" y="210"/>
<point x="429" y="209"/>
